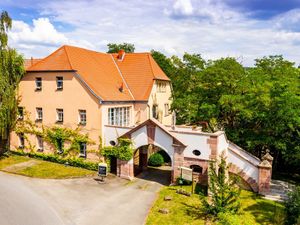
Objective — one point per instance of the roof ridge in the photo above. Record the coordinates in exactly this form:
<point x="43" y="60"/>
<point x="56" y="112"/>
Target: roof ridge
<point x="151" y="66"/>
<point x="68" y="56"/>
<point x="112" y="58"/>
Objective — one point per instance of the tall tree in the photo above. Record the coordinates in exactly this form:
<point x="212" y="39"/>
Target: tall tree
<point x="115" y="48"/>
<point x="11" y="72"/>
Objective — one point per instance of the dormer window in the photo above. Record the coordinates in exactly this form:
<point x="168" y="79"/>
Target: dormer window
<point x="38" y="83"/>
<point x="59" y="83"/>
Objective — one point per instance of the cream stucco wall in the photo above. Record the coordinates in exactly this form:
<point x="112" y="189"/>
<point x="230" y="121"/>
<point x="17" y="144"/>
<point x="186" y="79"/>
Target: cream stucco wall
<point x="71" y="99"/>
<point x="160" y="98"/>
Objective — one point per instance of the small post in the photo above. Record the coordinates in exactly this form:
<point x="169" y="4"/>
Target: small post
<point x="192" y="180"/>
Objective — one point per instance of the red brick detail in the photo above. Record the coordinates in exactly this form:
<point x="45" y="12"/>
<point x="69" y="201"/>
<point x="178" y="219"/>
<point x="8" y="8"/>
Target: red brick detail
<point x="264" y="179"/>
<point x="151" y="133"/>
<point x="125" y="169"/>
<point x="201" y="178"/>
<point x="249" y="180"/>
<point x="178" y="160"/>
<point x="213" y="143"/>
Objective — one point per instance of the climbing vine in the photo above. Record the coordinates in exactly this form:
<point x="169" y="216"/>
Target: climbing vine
<point x="122" y="151"/>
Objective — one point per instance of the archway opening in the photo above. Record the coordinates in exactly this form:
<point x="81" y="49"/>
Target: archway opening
<point x="143" y="169"/>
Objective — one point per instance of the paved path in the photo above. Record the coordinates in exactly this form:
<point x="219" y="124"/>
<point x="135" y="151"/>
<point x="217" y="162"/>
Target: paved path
<point x="30" y="201"/>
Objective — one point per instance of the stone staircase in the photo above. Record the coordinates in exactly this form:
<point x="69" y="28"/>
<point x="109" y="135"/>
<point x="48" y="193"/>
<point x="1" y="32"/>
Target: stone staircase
<point x="279" y="190"/>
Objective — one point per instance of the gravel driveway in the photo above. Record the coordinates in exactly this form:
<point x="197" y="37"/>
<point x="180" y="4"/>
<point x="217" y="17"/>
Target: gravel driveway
<point x="84" y="201"/>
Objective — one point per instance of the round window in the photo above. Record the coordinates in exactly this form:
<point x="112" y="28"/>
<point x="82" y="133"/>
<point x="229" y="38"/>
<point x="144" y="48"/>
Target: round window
<point x="113" y="143"/>
<point x="196" y="152"/>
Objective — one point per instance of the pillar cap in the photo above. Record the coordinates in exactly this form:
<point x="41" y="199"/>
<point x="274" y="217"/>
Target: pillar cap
<point x="265" y="164"/>
<point x="267" y="156"/>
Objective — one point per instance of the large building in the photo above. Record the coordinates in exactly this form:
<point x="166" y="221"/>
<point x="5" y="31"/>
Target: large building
<point x="124" y="95"/>
<point x="77" y="87"/>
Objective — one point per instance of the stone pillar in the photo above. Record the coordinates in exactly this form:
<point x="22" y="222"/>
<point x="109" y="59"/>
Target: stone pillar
<point x="125" y="169"/>
<point x="264" y="177"/>
<point x="178" y="161"/>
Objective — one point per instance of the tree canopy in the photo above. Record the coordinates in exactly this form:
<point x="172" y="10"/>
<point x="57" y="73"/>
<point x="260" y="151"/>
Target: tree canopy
<point x="115" y="48"/>
<point x="258" y="107"/>
<point x="11" y="72"/>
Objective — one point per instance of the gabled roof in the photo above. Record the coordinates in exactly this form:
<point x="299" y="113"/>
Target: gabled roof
<point x="155" y="123"/>
<point x="104" y="73"/>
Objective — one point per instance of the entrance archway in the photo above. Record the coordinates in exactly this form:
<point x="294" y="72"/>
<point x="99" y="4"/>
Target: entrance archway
<point x="142" y="154"/>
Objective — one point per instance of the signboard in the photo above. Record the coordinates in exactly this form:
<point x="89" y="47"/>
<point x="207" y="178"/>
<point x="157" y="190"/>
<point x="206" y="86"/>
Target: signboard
<point x="102" y="169"/>
<point x="186" y="173"/>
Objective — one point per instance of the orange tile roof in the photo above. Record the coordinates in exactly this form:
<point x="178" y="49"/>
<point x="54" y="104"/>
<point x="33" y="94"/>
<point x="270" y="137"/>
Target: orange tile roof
<point x="30" y="62"/>
<point x="105" y="73"/>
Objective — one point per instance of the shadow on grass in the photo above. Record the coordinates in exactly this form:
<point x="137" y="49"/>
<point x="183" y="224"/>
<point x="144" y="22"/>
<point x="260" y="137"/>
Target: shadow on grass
<point x="194" y="211"/>
<point x="266" y="212"/>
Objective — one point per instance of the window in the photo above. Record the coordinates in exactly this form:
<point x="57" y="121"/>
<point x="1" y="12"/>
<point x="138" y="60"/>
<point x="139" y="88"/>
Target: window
<point x="196" y="152"/>
<point x="40" y="143"/>
<point x="155" y="111"/>
<point x="82" y="149"/>
<point x="167" y="109"/>
<point x="39" y="114"/>
<point x="82" y="117"/>
<point x="21" y="140"/>
<point x="20" y="113"/>
<point x="59" y="83"/>
<point x="60" y="115"/>
<point x="161" y="86"/>
<point x="119" y="116"/>
<point x="112" y="143"/>
<point x="38" y="83"/>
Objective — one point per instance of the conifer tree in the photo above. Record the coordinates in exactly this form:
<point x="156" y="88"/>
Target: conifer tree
<point x="223" y="190"/>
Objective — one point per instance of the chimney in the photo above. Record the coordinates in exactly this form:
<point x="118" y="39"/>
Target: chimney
<point x="121" y="88"/>
<point x="31" y="60"/>
<point x="121" y="54"/>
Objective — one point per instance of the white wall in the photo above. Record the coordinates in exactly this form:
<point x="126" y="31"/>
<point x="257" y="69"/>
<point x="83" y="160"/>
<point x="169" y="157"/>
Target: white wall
<point x="250" y="169"/>
<point x="164" y="141"/>
<point x="113" y="133"/>
<point x="139" y="137"/>
<point x="194" y="141"/>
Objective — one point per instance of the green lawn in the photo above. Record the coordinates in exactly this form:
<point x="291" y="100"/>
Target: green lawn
<point x="187" y="210"/>
<point x="40" y="169"/>
<point x="6" y="161"/>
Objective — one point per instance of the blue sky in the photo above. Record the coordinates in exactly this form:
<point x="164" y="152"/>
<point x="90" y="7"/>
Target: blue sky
<point x="245" y="29"/>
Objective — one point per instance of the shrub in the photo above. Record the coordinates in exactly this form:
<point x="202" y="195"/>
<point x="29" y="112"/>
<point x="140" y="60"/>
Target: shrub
<point x="156" y="159"/>
<point x="292" y="207"/>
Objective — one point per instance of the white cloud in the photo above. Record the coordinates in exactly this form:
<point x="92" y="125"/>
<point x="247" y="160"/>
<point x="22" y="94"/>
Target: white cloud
<point x="207" y="27"/>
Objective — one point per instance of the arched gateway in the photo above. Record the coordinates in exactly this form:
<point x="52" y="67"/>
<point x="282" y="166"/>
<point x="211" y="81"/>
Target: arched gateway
<point x="192" y="148"/>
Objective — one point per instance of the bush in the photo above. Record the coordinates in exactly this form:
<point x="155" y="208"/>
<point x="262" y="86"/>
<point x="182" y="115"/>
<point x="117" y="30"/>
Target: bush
<point x="292" y="207"/>
<point x="156" y="159"/>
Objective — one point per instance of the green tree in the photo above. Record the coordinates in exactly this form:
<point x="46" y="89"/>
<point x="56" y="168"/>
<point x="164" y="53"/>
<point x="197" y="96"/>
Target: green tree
<point x="223" y="190"/>
<point x="115" y="48"/>
<point x="292" y="207"/>
<point x="11" y="72"/>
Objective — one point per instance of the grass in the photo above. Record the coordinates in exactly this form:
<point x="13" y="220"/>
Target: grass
<point x="41" y="169"/>
<point x="6" y="161"/>
<point x="187" y="210"/>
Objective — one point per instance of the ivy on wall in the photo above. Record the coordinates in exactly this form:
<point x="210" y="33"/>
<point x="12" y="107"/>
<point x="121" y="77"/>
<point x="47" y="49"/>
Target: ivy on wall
<point x="122" y="151"/>
<point x="56" y="136"/>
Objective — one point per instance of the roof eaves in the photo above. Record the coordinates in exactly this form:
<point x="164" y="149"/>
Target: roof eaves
<point x="88" y="87"/>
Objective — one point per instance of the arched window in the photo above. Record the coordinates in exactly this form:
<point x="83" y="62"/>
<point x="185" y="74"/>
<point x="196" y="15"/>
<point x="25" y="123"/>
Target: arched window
<point x="196" y="168"/>
<point x="196" y="152"/>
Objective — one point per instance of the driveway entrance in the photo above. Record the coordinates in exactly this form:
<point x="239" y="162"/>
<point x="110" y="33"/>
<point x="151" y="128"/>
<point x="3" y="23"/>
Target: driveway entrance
<point x="84" y="201"/>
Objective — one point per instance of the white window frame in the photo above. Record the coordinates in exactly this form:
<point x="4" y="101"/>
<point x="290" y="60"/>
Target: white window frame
<point x="59" y="83"/>
<point x="38" y="83"/>
<point x="39" y="113"/>
<point x="82" y="117"/>
<point x="167" y="109"/>
<point x="21" y="140"/>
<point x="60" y="115"/>
<point x="82" y="150"/>
<point x="40" y="143"/>
<point x="119" y="116"/>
